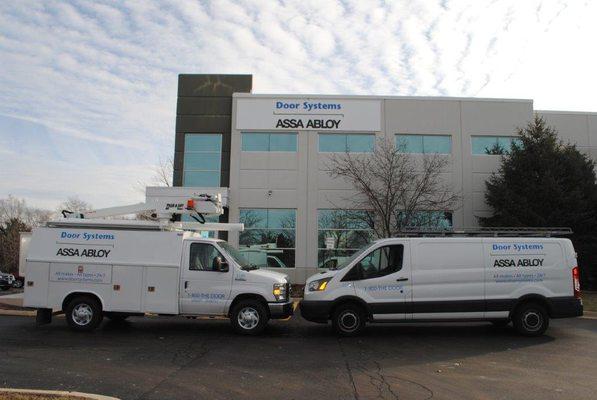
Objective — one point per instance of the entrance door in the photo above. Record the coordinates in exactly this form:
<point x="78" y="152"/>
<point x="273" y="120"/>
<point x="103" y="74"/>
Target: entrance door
<point x="382" y="279"/>
<point x="203" y="288"/>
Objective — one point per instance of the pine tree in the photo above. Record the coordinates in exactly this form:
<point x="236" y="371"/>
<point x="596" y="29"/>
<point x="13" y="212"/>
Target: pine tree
<point x="545" y="182"/>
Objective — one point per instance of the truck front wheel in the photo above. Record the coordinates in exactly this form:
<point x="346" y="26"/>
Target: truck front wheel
<point x="249" y="317"/>
<point x="83" y="313"/>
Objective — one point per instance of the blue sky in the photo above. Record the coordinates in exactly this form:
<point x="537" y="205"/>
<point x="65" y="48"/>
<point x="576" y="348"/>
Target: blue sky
<point x="88" y="88"/>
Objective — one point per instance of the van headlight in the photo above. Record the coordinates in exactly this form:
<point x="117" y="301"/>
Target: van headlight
<point x="319" y="285"/>
<point x="280" y="291"/>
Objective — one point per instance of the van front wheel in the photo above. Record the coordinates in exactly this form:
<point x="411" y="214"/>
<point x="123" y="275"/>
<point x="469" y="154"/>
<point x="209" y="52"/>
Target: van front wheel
<point x="531" y="319"/>
<point x="83" y="313"/>
<point x="348" y="320"/>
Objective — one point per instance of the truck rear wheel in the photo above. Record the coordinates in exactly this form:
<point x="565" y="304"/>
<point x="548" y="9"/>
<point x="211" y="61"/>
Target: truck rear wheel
<point x="531" y="319"/>
<point x="249" y="317"/>
<point x="83" y="313"/>
<point x="348" y="319"/>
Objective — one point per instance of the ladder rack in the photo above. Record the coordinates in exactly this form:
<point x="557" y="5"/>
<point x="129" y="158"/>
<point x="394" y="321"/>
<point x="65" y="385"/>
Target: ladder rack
<point x="488" y="232"/>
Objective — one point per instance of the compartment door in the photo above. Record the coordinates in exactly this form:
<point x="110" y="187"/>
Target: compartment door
<point x="127" y="283"/>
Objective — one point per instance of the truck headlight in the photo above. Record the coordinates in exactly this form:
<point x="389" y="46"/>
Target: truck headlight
<point x="319" y="285"/>
<point x="280" y="291"/>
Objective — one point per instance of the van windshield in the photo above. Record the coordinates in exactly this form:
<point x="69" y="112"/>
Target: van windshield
<point x="353" y="257"/>
<point x="237" y="256"/>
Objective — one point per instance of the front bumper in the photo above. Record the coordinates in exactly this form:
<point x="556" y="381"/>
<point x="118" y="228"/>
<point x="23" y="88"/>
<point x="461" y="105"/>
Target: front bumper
<point x="316" y="310"/>
<point x="280" y="310"/>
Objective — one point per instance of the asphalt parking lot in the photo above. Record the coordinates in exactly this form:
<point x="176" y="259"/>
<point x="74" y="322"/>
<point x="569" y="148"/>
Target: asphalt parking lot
<point x="176" y="358"/>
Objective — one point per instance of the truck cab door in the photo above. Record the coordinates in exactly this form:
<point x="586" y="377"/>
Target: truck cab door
<point x="382" y="279"/>
<point x="204" y="286"/>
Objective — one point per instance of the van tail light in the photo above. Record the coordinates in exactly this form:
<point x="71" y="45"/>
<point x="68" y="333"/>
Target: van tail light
<point x="576" y="282"/>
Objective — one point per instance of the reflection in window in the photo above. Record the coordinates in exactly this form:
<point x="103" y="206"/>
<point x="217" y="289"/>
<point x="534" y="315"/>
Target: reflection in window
<point x="202" y="160"/>
<point x="348" y="228"/>
<point x="381" y="262"/>
<point x="257" y="141"/>
<point x="430" y="220"/>
<point x="346" y="143"/>
<point x="493" y="145"/>
<point x="424" y="144"/>
<point x="269" y="237"/>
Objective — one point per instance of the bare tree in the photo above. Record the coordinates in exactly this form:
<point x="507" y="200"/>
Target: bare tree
<point x="13" y="208"/>
<point x="75" y="205"/>
<point x="395" y="186"/>
<point x="163" y="173"/>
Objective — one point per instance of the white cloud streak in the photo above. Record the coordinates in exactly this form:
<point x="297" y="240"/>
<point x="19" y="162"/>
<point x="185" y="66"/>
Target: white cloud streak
<point x="105" y="72"/>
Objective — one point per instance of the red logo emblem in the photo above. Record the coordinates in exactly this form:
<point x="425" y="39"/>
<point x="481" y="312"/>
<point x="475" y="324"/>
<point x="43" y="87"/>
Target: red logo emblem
<point x="80" y="269"/>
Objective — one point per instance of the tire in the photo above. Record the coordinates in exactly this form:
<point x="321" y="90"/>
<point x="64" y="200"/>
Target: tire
<point x="500" y="323"/>
<point x="348" y="319"/>
<point x="531" y="319"/>
<point x="249" y="317"/>
<point x="83" y="313"/>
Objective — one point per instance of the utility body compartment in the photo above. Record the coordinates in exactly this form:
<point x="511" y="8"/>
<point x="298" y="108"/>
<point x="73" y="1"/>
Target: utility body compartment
<point x="129" y="271"/>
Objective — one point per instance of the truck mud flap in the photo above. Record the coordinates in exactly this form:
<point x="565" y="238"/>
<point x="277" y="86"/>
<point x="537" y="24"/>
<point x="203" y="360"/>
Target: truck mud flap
<point x="44" y="316"/>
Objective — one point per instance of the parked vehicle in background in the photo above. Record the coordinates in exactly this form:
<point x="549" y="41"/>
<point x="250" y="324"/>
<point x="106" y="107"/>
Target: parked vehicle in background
<point x="525" y="281"/>
<point x="18" y="282"/>
<point x="6" y="281"/>
<point x="260" y="258"/>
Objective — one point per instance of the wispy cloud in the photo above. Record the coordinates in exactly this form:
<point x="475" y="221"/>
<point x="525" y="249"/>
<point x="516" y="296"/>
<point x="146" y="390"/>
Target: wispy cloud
<point x="99" y="77"/>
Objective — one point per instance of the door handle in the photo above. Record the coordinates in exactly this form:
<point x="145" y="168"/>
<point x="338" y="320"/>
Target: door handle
<point x="186" y="284"/>
<point x="401" y="279"/>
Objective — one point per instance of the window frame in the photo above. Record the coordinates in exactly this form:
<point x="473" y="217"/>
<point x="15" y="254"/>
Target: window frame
<point x="269" y="141"/>
<point x="346" y="147"/>
<point x="356" y="274"/>
<point x="497" y="141"/>
<point x="423" y="136"/>
<point x="204" y="244"/>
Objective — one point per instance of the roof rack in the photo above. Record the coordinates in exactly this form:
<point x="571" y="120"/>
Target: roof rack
<point x="488" y="232"/>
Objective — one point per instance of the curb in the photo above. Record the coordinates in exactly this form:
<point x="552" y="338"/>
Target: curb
<point x="83" y="396"/>
<point x="18" y="313"/>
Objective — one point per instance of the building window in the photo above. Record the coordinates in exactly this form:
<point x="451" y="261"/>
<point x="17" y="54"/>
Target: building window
<point x="346" y="143"/>
<point x="350" y="230"/>
<point x="202" y="160"/>
<point x="269" y="237"/>
<point x="424" y="144"/>
<point x="493" y="145"/>
<point x="256" y="141"/>
<point x="433" y="220"/>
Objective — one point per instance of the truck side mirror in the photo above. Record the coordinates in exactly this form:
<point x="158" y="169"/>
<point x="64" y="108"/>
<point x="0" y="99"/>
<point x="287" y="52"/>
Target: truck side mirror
<point x="221" y="264"/>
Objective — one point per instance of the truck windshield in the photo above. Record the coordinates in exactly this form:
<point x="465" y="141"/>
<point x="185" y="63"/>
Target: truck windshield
<point x="237" y="256"/>
<point x="353" y="257"/>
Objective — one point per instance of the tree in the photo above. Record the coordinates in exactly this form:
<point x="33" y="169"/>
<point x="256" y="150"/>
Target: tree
<point x="395" y="186"/>
<point x="16" y="217"/>
<point x="75" y="205"/>
<point x="543" y="182"/>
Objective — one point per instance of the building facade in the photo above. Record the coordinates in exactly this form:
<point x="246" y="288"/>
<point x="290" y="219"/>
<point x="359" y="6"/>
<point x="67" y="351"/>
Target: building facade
<point x="273" y="151"/>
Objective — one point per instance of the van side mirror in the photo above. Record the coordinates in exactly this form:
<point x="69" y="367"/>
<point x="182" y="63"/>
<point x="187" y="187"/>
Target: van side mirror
<point x="221" y="265"/>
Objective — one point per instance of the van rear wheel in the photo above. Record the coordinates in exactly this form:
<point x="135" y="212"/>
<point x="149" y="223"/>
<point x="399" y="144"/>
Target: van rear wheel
<point x="348" y="319"/>
<point x="249" y="317"/>
<point x="83" y="313"/>
<point x="531" y="319"/>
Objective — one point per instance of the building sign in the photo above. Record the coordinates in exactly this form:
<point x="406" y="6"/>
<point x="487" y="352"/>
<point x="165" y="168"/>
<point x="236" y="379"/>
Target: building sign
<point x="318" y="114"/>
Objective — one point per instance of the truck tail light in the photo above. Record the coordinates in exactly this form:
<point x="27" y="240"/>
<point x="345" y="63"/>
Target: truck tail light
<point x="576" y="282"/>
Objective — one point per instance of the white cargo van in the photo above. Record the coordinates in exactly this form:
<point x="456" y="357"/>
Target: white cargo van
<point x="522" y="280"/>
<point x="91" y="273"/>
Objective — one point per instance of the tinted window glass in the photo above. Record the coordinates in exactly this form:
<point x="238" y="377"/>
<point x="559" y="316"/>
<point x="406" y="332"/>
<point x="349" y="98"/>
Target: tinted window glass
<point x="202" y="161"/>
<point x="282" y="142"/>
<point x="410" y="143"/>
<point x="437" y="144"/>
<point x="380" y="262"/>
<point x="203" y="257"/>
<point x="360" y="143"/>
<point x="203" y="142"/>
<point x="493" y="145"/>
<point x="202" y="178"/>
<point x="332" y="143"/>
<point x="255" y="141"/>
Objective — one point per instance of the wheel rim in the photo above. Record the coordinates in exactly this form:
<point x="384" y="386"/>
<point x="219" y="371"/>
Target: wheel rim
<point x="348" y="321"/>
<point x="248" y="318"/>
<point x="532" y="320"/>
<point x="82" y="314"/>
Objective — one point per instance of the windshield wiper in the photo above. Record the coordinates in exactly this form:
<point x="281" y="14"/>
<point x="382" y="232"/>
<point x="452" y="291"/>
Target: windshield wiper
<point x="250" y="267"/>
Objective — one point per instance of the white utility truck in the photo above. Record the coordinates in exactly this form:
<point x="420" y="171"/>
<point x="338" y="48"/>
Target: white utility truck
<point x="523" y="280"/>
<point x="89" y="267"/>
